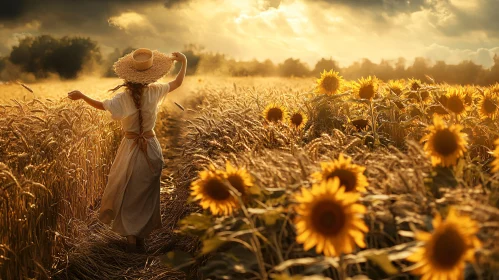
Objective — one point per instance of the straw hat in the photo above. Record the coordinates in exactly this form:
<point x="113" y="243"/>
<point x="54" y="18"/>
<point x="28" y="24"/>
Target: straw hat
<point x="143" y="66"/>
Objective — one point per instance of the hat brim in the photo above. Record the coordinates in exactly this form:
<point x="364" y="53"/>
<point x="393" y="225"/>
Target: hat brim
<point x="162" y="64"/>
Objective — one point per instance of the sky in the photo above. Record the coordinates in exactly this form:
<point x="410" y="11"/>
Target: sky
<point x="345" y="30"/>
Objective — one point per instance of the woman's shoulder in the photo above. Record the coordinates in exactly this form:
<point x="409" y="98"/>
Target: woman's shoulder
<point x="116" y="95"/>
<point x="159" y="87"/>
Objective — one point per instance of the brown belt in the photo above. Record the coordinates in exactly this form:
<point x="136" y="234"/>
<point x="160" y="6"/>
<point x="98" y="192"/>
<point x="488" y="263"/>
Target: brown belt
<point x="141" y="141"/>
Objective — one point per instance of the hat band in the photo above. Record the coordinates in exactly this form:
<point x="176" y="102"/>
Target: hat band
<point x="142" y="65"/>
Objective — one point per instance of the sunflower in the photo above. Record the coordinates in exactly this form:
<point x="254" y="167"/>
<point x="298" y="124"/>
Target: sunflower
<point x="213" y="193"/>
<point x="275" y="113"/>
<point x="426" y="96"/>
<point x="417" y="91"/>
<point x="366" y="88"/>
<point x="360" y="124"/>
<point x="329" y="83"/>
<point x="469" y="93"/>
<point x="494" y="89"/>
<point x="298" y="119"/>
<point x="349" y="174"/>
<point x="444" y="144"/>
<point x="239" y="178"/>
<point x="396" y="87"/>
<point x="455" y="101"/>
<point x="495" y="163"/>
<point x="328" y="218"/>
<point x="414" y="84"/>
<point x="443" y="99"/>
<point x="489" y="105"/>
<point x="446" y="250"/>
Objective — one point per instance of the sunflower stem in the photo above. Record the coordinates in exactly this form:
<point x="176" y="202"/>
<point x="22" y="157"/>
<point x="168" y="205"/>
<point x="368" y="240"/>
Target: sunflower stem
<point x="254" y="240"/>
<point x="373" y="126"/>
<point x="455" y="119"/>
<point x="342" y="269"/>
<point x="278" y="250"/>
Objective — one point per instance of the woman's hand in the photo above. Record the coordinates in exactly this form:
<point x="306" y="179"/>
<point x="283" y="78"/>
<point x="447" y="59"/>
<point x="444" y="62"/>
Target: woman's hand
<point x="75" y="95"/>
<point x="178" y="56"/>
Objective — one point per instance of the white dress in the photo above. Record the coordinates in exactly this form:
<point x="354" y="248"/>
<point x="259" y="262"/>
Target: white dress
<point x="131" y="196"/>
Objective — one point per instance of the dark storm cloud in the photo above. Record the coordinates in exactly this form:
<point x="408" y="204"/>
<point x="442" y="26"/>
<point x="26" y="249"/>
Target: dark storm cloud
<point x="485" y="17"/>
<point x="63" y="12"/>
<point x="375" y="6"/>
<point x="173" y="3"/>
<point x="10" y="9"/>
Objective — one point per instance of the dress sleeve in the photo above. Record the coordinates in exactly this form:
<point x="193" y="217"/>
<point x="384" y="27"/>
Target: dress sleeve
<point x="115" y="106"/>
<point x="163" y="88"/>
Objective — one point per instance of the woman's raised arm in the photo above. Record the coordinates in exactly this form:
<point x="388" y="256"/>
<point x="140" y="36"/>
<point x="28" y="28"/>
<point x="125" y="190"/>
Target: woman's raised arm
<point x="76" y="94"/>
<point x="180" y="57"/>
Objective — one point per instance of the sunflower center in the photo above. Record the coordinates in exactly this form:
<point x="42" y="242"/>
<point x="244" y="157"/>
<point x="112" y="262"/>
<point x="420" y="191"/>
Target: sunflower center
<point x="330" y="83"/>
<point x="274" y="114"/>
<point x="448" y="249"/>
<point x="328" y="218"/>
<point x="360" y="124"/>
<point x="297" y="119"/>
<point x="455" y="104"/>
<point x="216" y="190"/>
<point x="367" y="91"/>
<point x="237" y="182"/>
<point x="489" y="106"/>
<point x="445" y="142"/>
<point x="415" y="86"/>
<point x="348" y="179"/>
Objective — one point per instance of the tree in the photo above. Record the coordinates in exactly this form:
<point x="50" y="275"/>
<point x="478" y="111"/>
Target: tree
<point x="78" y="50"/>
<point x="112" y="58"/>
<point x="325" y="64"/>
<point x="293" y="68"/>
<point x="45" y="54"/>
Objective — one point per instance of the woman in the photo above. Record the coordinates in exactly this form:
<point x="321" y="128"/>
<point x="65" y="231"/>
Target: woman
<point x="131" y="197"/>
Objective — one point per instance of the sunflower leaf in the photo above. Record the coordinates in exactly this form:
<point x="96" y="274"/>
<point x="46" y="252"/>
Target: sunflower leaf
<point x="383" y="261"/>
<point x="210" y="245"/>
<point x="255" y="190"/>
<point x="296" y="262"/>
<point x="177" y="259"/>
<point x="444" y="177"/>
<point x="195" y="223"/>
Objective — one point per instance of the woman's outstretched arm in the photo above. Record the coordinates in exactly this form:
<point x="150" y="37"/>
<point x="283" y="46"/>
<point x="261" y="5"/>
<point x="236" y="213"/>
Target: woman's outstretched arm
<point x="180" y="57"/>
<point x="76" y="95"/>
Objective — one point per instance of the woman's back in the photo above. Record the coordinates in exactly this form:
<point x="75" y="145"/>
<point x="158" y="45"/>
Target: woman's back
<point x="123" y="108"/>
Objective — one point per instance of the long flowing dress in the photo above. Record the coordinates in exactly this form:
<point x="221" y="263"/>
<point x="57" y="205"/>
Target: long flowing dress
<point x="131" y="197"/>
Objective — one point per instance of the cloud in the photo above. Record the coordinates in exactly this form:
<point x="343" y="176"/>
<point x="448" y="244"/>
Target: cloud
<point x="12" y="36"/>
<point x="75" y="13"/>
<point x="480" y="56"/>
<point x="129" y="20"/>
<point x="388" y="6"/>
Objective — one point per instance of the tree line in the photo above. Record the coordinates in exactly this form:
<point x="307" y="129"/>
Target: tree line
<point x="69" y="57"/>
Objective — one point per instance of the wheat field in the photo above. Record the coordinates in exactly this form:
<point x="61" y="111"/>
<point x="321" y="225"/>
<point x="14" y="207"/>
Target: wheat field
<point x="266" y="178"/>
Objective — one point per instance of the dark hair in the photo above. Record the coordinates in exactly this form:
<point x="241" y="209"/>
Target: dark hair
<point x="136" y="90"/>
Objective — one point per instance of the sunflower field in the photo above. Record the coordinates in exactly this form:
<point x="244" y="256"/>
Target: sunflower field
<point x="344" y="180"/>
<point x="266" y="178"/>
